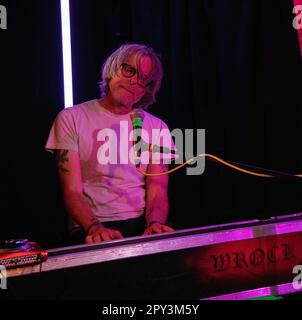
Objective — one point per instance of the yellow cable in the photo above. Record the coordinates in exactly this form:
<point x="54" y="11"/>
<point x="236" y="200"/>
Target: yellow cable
<point x="262" y="175"/>
<point x="164" y="173"/>
<point x="237" y="168"/>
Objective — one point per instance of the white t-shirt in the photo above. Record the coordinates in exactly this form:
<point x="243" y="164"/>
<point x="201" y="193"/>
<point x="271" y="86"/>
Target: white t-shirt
<point x="112" y="186"/>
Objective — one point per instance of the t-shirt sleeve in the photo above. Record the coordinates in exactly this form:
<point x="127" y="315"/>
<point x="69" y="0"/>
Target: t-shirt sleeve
<point x="63" y="134"/>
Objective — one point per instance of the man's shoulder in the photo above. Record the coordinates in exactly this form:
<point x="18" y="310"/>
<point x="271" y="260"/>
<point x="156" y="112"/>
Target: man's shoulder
<point x="84" y="106"/>
<point x="78" y="108"/>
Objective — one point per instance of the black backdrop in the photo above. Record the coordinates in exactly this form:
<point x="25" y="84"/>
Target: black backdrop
<point x="232" y="67"/>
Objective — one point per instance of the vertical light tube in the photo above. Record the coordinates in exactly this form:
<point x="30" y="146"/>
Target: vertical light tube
<point x="66" y="47"/>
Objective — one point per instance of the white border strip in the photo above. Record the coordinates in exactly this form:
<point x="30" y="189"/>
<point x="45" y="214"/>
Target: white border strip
<point x="66" y="47"/>
<point x="278" y="290"/>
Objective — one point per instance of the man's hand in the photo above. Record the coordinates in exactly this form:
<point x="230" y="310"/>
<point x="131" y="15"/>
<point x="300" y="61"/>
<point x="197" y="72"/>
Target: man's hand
<point x="99" y="233"/>
<point x="157" y="227"/>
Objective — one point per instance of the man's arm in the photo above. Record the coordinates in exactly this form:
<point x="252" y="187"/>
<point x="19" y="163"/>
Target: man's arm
<point x="68" y="165"/>
<point x="157" y="202"/>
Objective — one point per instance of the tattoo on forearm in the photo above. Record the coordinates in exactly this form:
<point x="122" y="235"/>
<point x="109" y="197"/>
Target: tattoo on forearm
<point x="60" y="158"/>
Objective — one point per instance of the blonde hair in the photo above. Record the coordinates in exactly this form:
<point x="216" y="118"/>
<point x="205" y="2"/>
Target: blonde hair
<point x="113" y="64"/>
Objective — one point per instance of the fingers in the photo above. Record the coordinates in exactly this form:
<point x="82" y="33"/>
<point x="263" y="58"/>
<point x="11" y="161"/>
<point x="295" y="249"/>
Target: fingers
<point x="154" y="228"/>
<point x="116" y="234"/>
<point x="158" y="228"/>
<point x="147" y="232"/>
<point x="88" y="239"/>
<point x="103" y="235"/>
<point x="167" y="229"/>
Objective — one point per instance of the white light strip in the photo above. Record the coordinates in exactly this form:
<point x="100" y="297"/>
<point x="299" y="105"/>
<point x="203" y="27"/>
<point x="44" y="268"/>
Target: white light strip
<point x="66" y="46"/>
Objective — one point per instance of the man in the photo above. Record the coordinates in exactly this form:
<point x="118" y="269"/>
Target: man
<point x="110" y="200"/>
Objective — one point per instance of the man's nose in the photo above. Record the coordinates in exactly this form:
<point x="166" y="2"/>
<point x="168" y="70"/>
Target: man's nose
<point x="134" y="79"/>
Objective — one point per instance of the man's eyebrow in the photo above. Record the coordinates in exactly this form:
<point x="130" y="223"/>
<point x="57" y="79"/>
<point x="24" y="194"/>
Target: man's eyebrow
<point x="130" y="65"/>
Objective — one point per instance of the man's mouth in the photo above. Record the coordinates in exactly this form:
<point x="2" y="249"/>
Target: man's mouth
<point x="128" y="90"/>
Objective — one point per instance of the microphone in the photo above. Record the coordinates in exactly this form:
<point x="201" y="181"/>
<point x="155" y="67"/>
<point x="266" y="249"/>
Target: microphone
<point x="156" y="148"/>
<point x="137" y="118"/>
<point x="139" y="145"/>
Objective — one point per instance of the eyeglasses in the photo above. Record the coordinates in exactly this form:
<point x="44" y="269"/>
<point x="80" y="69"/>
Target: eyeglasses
<point x="128" y="72"/>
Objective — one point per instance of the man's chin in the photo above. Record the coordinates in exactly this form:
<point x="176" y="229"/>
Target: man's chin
<point x="123" y="104"/>
<point x="125" y="100"/>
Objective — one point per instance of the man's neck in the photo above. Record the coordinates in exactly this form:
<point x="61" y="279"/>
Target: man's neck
<point x="114" y="107"/>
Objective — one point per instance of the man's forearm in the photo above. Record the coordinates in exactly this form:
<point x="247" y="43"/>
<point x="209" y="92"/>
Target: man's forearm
<point x="157" y="208"/>
<point x="157" y="202"/>
<point x="80" y="211"/>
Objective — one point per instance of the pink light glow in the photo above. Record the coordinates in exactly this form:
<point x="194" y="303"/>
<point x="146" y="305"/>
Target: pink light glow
<point x="299" y="3"/>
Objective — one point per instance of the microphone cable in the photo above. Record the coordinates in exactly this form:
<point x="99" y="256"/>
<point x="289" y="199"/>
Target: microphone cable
<point x="137" y="118"/>
<point x="235" y="166"/>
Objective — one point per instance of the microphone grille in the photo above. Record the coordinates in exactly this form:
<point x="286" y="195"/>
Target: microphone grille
<point x="137" y="114"/>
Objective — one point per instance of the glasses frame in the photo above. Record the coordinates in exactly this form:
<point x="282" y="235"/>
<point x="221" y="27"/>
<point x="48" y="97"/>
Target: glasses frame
<point x="133" y="73"/>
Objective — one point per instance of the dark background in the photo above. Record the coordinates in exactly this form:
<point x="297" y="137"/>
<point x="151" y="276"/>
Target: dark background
<point x="232" y="67"/>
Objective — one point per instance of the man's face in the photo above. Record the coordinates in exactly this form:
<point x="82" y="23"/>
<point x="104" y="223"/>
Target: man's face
<point x="127" y="89"/>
